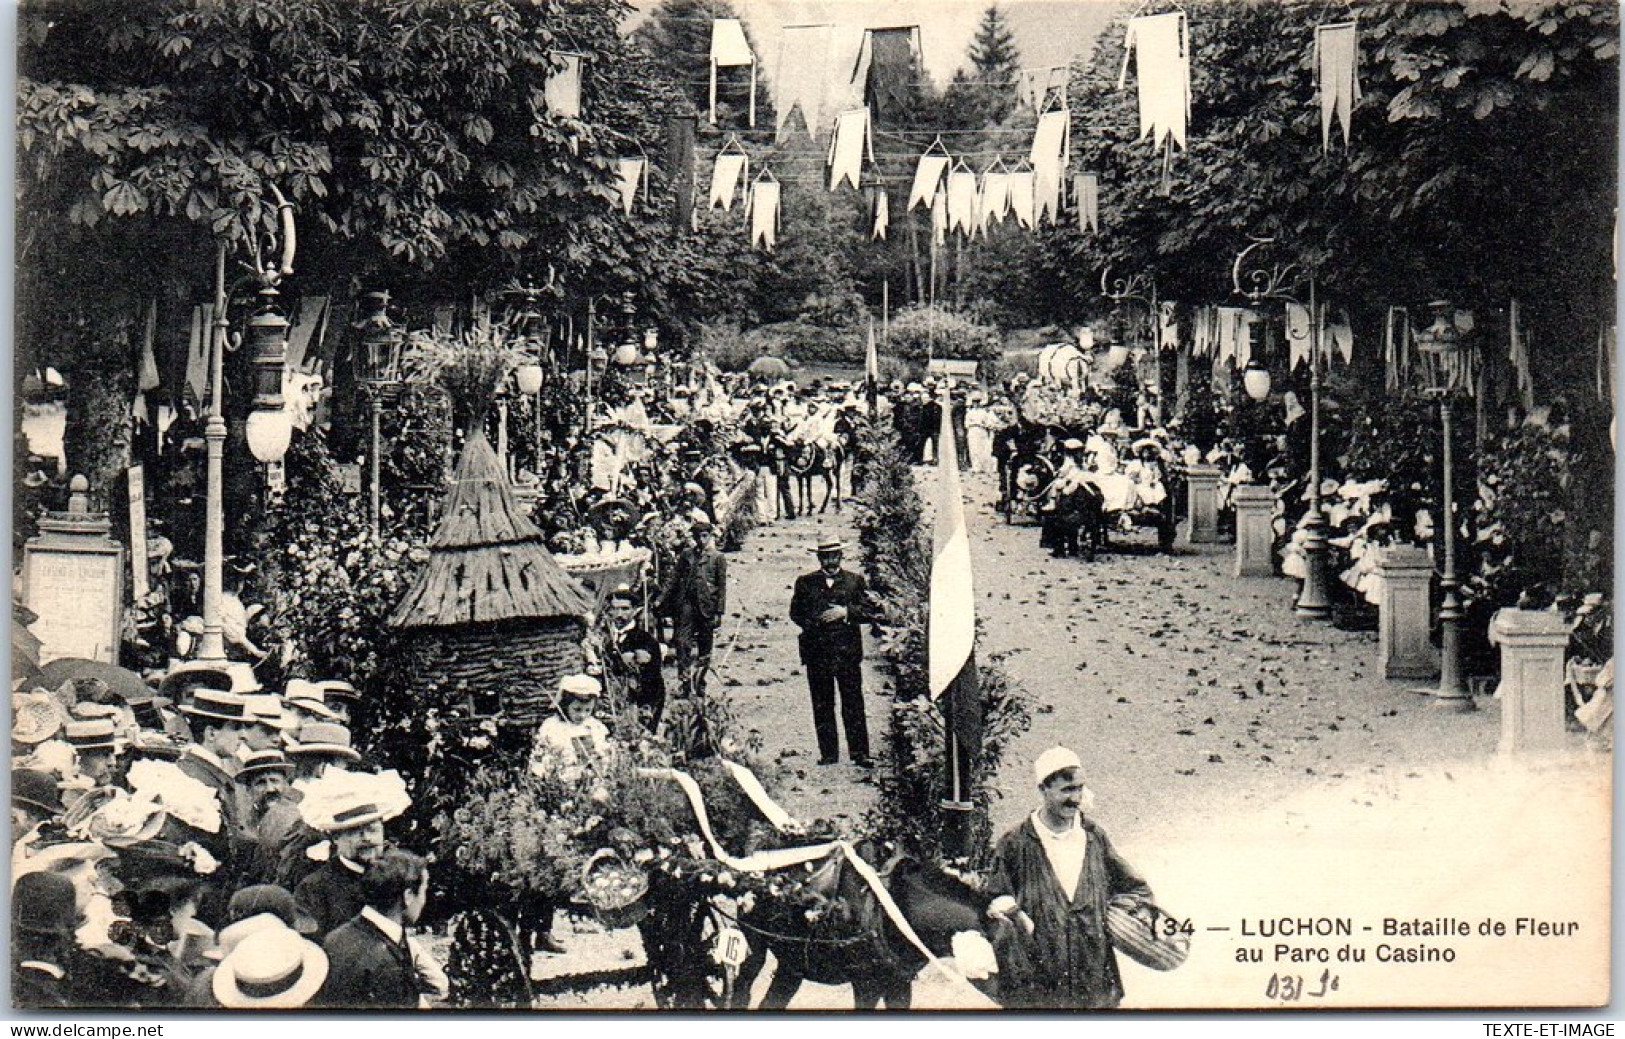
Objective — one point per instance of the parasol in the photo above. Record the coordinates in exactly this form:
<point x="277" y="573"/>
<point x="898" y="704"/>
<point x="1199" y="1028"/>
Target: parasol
<point x="769" y="367"/>
<point x="122" y="681"/>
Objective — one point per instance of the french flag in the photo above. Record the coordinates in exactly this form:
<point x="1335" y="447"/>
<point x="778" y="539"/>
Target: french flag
<point x="951" y="636"/>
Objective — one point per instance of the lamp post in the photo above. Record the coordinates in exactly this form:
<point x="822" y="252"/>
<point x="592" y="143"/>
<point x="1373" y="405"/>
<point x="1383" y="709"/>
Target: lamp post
<point x="381" y="344"/>
<point x="1443" y="341"/>
<point x="1140" y="288"/>
<point x="1278" y="282"/>
<point x="268" y="436"/>
<point x="528" y="375"/>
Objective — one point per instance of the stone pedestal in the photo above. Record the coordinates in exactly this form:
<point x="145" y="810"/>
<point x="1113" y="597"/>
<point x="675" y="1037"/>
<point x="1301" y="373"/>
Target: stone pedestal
<point x="1404" y="614"/>
<point x="1202" y="516"/>
<point x="1533" y="643"/>
<point x="73" y="579"/>
<point x="1255" y="535"/>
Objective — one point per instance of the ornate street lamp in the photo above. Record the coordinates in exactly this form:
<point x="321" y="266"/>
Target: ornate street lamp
<point x="1140" y="288"/>
<point x="381" y="374"/>
<point x="1255" y="379"/>
<point x="1279" y="282"/>
<point x="267" y="337"/>
<point x="528" y="375"/>
<point x="1448" y="374"/>
<point x="269" y="427"/>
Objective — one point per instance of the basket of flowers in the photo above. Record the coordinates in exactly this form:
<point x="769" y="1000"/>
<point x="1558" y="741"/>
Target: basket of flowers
<point x="615" y="889"/>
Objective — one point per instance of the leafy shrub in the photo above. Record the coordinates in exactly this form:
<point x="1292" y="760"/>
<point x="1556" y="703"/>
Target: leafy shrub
<point x="921" y="332"/>
<point x="895" y="557"/>
<point x="805" y="341"/>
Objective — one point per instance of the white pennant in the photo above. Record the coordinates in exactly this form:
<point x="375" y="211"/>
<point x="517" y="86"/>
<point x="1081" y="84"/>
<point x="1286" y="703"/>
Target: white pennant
<point x="848" y="147"/>
<point x="995" y="200"/>
<point x="764" y="213"/>
<point x="1163" y="73"/>
<point x="725" y="177"/>
<point x="1337" y="70"/>
<point x="962" y="200"/>
<point x="927" y="177"/>
<point x="630" y="176"/>
<point x="1021" y="197"/>
<point x="882" y="215"/>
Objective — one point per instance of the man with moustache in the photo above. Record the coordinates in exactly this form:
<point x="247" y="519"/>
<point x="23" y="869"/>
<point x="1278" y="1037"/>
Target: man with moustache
<point x="828" y="605"/>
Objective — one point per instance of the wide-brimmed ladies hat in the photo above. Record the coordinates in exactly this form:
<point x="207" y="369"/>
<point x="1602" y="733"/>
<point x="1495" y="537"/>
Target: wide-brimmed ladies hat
<point x="273" y="969"/>
<point x="322" y="738"/>
<point x="35" y="717"/>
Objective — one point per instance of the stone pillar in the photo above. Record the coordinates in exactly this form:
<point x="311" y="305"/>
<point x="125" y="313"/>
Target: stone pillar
<point x="1202" y="509"/>
<point x="1532" y="644"/>
<point x="1255" y="535"/>
<point x="1404" y="614"/>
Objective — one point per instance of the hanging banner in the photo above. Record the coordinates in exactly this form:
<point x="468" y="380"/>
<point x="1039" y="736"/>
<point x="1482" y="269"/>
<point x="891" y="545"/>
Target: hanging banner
<point x="135" y="481"/>
<point x="1340" y="337"/>
<point x="1519" y="355"/>
<point x="848" y="147"/>
<point x="962" y="199"/>
<point x="680" y="161"/>
<point x="1086" y="193"/>
<point x="927" y="178"/>
<point x="882" y="215"/>
<point x="894" y="70"/>
<point x="1168" y="325"/>
<point x="939" y="218"/>
<point x="1297" y="334"/>
<point x="726" y="173"/>
<point x="1050" y="155"/>
<point x="764" y="213"/>
<point x="1160" y="44"/>
<point x="994" y="204"/>
<point x="562" y="92"/>
<point x="802" y="79"/>
<point x="197" y="352"/>
<point x="1337" y="70"/>
<point x="730" y="49"/>
<point x="628" y="179"/>
<point x="1021" y="197"/>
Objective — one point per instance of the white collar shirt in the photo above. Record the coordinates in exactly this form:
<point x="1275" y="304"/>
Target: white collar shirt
<point x="392" y="930"/>
<point x="1065" y="851"/>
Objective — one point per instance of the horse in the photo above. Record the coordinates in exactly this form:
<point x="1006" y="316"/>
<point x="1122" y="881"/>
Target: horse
<point x="808" y="459"/>
<point x="838" y="933"/>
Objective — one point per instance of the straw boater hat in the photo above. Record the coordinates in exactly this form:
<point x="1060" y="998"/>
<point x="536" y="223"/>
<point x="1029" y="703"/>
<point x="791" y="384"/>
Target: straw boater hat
<point x="35" y="717"/>
<point x="323" y="738"/>
<point x="262" y="761"/>
<point x="828" y="545"/>
<point x="274" y="969"/>
<point x="267" y="709"/>
<point x="185" y="678"/>
<point x="216" y="705"/>
<point x="338" y="689"/>
<point x="308" y="697"/>
<point x="91" y="734"/>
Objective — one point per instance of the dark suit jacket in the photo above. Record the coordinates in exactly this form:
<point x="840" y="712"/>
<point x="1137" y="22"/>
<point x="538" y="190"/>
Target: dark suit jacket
<point x="699" y="592"/>
<point x="366" y="969"/>
<point x="329" y="896"/>
<point x="842" y="641"/>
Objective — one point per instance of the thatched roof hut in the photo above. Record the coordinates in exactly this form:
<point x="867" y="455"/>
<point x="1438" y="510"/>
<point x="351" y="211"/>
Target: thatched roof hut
<point x="494" y="618"/>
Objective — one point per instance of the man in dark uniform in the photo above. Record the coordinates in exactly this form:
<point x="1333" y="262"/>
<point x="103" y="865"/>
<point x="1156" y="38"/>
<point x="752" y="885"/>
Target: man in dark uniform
<point x="695" y="602"/>
<point x="631" y="658"/>
<point x="828" y="605"/>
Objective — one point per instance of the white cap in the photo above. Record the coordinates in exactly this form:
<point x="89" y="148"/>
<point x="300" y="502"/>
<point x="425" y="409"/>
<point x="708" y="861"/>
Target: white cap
<point x="1056" y="759"/>
<point x="580" y="685"/>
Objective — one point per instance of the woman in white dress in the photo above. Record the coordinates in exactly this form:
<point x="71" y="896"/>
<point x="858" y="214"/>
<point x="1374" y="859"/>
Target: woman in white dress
<point x="980" y="423"/>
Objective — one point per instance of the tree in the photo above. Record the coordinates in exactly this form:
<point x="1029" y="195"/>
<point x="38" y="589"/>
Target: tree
<point x="678" y="36"/>
<point x="995" y="65"/>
